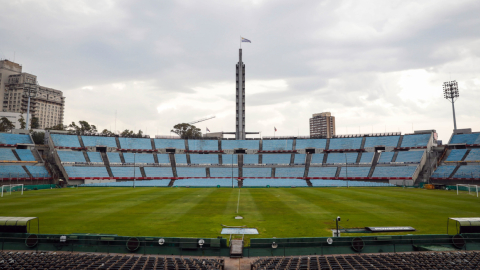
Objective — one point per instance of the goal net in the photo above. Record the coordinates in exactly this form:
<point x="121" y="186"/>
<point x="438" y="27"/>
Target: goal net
<point x="472" y="189"/>
<point x="8" y="189"/>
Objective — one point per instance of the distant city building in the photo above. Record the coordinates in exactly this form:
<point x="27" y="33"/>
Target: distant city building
<point x="48" y="105"/>
<point x="322" y="125"/>
<point x="14" y="118"/>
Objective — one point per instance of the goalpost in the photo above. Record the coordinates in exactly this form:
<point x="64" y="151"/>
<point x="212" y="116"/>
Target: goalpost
<point x="472" y="189"/>
<point x="7" y="189"/>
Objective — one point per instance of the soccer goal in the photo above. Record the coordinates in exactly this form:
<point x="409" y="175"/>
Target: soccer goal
<point x="7" y="189"/>
<point x="472" y="189"/>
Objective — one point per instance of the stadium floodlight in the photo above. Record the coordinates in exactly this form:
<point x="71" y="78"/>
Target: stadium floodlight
<point x="30" y="91"/>
<point x="450" y="93"/>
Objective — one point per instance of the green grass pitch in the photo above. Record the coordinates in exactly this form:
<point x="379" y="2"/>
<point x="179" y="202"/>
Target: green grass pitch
<point x="199" y="212"/>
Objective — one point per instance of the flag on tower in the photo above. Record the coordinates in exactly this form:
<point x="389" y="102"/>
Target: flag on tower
<point x="208" y="130"/>
<point x="246" y="40"/>
<point x="275" y="129"/>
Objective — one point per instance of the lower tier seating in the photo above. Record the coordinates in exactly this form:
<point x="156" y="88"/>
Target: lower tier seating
<point x="158" y="171"/>
<point x="274" y="183"/>
<point x="143" y="183"/>
<point x="126" y="172"/>
<point x="257" y="172"/>
<point x="399" y="171"/>
<point x="412" y="260"/>
<point x="206" y="182"/>
<point x="191" y="172"/>
<point x="224" y="172"/>
<point x="343" y="183"/>
<point x="468" y="171"/>
<point x="443" y="171"/>
<point x="289" y="172"/>
<point x="86" y="172"/>
<point x="322" y="171"/>
<point x="54" y="260"/>
<point x="354" y="171"/>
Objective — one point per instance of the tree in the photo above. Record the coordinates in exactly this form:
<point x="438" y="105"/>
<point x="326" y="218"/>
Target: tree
<point x="6" y="125"/>
<point x="22" y="122"/>
<point x="130" y="134"/>
<point x="57" y="127"/>
<point x="84" y="128"/>
<point x="38" y="137"/>
<point x="187" y="131"/>
<point x="35" y="123"/>
<point x="107" y="133"/>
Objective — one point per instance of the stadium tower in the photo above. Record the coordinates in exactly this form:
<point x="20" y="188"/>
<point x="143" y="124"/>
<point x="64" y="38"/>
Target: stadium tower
<point x="240" y="113"/>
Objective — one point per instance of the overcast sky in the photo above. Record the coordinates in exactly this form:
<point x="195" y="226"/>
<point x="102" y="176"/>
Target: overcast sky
<point x="376" y="65"/>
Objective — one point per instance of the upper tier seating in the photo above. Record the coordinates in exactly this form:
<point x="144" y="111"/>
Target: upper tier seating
<point x="144" y="183"/>
<point x="231" y="159"/>
<point x="163" y="158"/>
<point x="322" y="171"/>
<point x="257" y="172"/>
<point x="354" y="171"/>
<point x="311" y="143"/>
<point x="277" y="145"/>
<point x="417" y="140"/>
<point x="7" y="138"/>
<point x="465" y="138"/>
<point x="114" y="157"/>
<point x="158" y="171"/>
<point x="387" y="141"/>
<point x="37" y="171"/>
<point x="456" y="155"/>
<point x="390" y="171"/>
<point x="126" y="172"/>
<point x="367" y="157"/>
<point x="289" y="172"/>
<point x="71" y="156"/>
<point x="274" y="183"/>
<point x="340" y="158"/>
<point x="86" y="172"/>
<point x="299" y="159"/>
<point x="250" y="159"/>
<point x="386" y="157"/>
<point x="203" y="145"/>
<point x="7" y="155"/>
<point x="343" y="183"/>
<point x="13" y="171"/>
<point x="468" y="171"/>
<point x="443" y="171"/>
<point x="94" y="157"/>
<point x="345" y="143"/>
<point x="410" y="156"/>
<point x="223" y="172"/>
<point x="276" y="158"/>
<point x="191" y="172"/>
<point x="245" y="144"/>
<point x="205" y="183"/>
<point x="169" y="143"/>
<point x="65" y="140"/>
<point x="474" y="155"/>
<point x="135" y="143"/>
<point x="138" y="158"/>
<point x="99" y="141"/>
<point x="181" y="159"/>
<point x="317" y="159"/>
<point x="203" y="159"/>
<point x="25" y="155"/>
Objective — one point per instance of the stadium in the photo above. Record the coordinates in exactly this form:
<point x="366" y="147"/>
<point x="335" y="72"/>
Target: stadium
<point x="176" y="197"/>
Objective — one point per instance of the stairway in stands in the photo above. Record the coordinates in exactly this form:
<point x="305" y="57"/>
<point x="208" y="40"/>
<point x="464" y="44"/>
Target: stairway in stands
<point x="374" y="163"/>
<point x="107" y="163"/>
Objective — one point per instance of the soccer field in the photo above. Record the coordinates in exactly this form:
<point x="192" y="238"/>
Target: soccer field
<point x="199" y="212"/>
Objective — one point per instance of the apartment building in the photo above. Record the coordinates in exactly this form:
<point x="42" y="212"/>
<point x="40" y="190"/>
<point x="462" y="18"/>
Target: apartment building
<point x="322" y="125"/>
<point x="46" y="104"/>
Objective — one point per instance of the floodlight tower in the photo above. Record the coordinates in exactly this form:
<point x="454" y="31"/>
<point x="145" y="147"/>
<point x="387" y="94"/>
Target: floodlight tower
<point x="450" y="92"/>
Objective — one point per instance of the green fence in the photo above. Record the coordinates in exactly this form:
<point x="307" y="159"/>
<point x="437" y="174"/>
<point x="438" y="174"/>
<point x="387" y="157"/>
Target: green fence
<point x="219" y="247"/>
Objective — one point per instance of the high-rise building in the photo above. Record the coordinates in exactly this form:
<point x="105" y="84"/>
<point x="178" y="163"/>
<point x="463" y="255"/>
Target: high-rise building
<point x="322" y="125"/>
<point x="240" y="112"/>
<point x="48" y="105"/>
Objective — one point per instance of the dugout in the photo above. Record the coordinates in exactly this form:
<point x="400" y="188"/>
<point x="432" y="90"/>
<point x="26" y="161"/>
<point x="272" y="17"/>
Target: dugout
<point x="466" y="225"/>
<point x="18" y="224"/>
